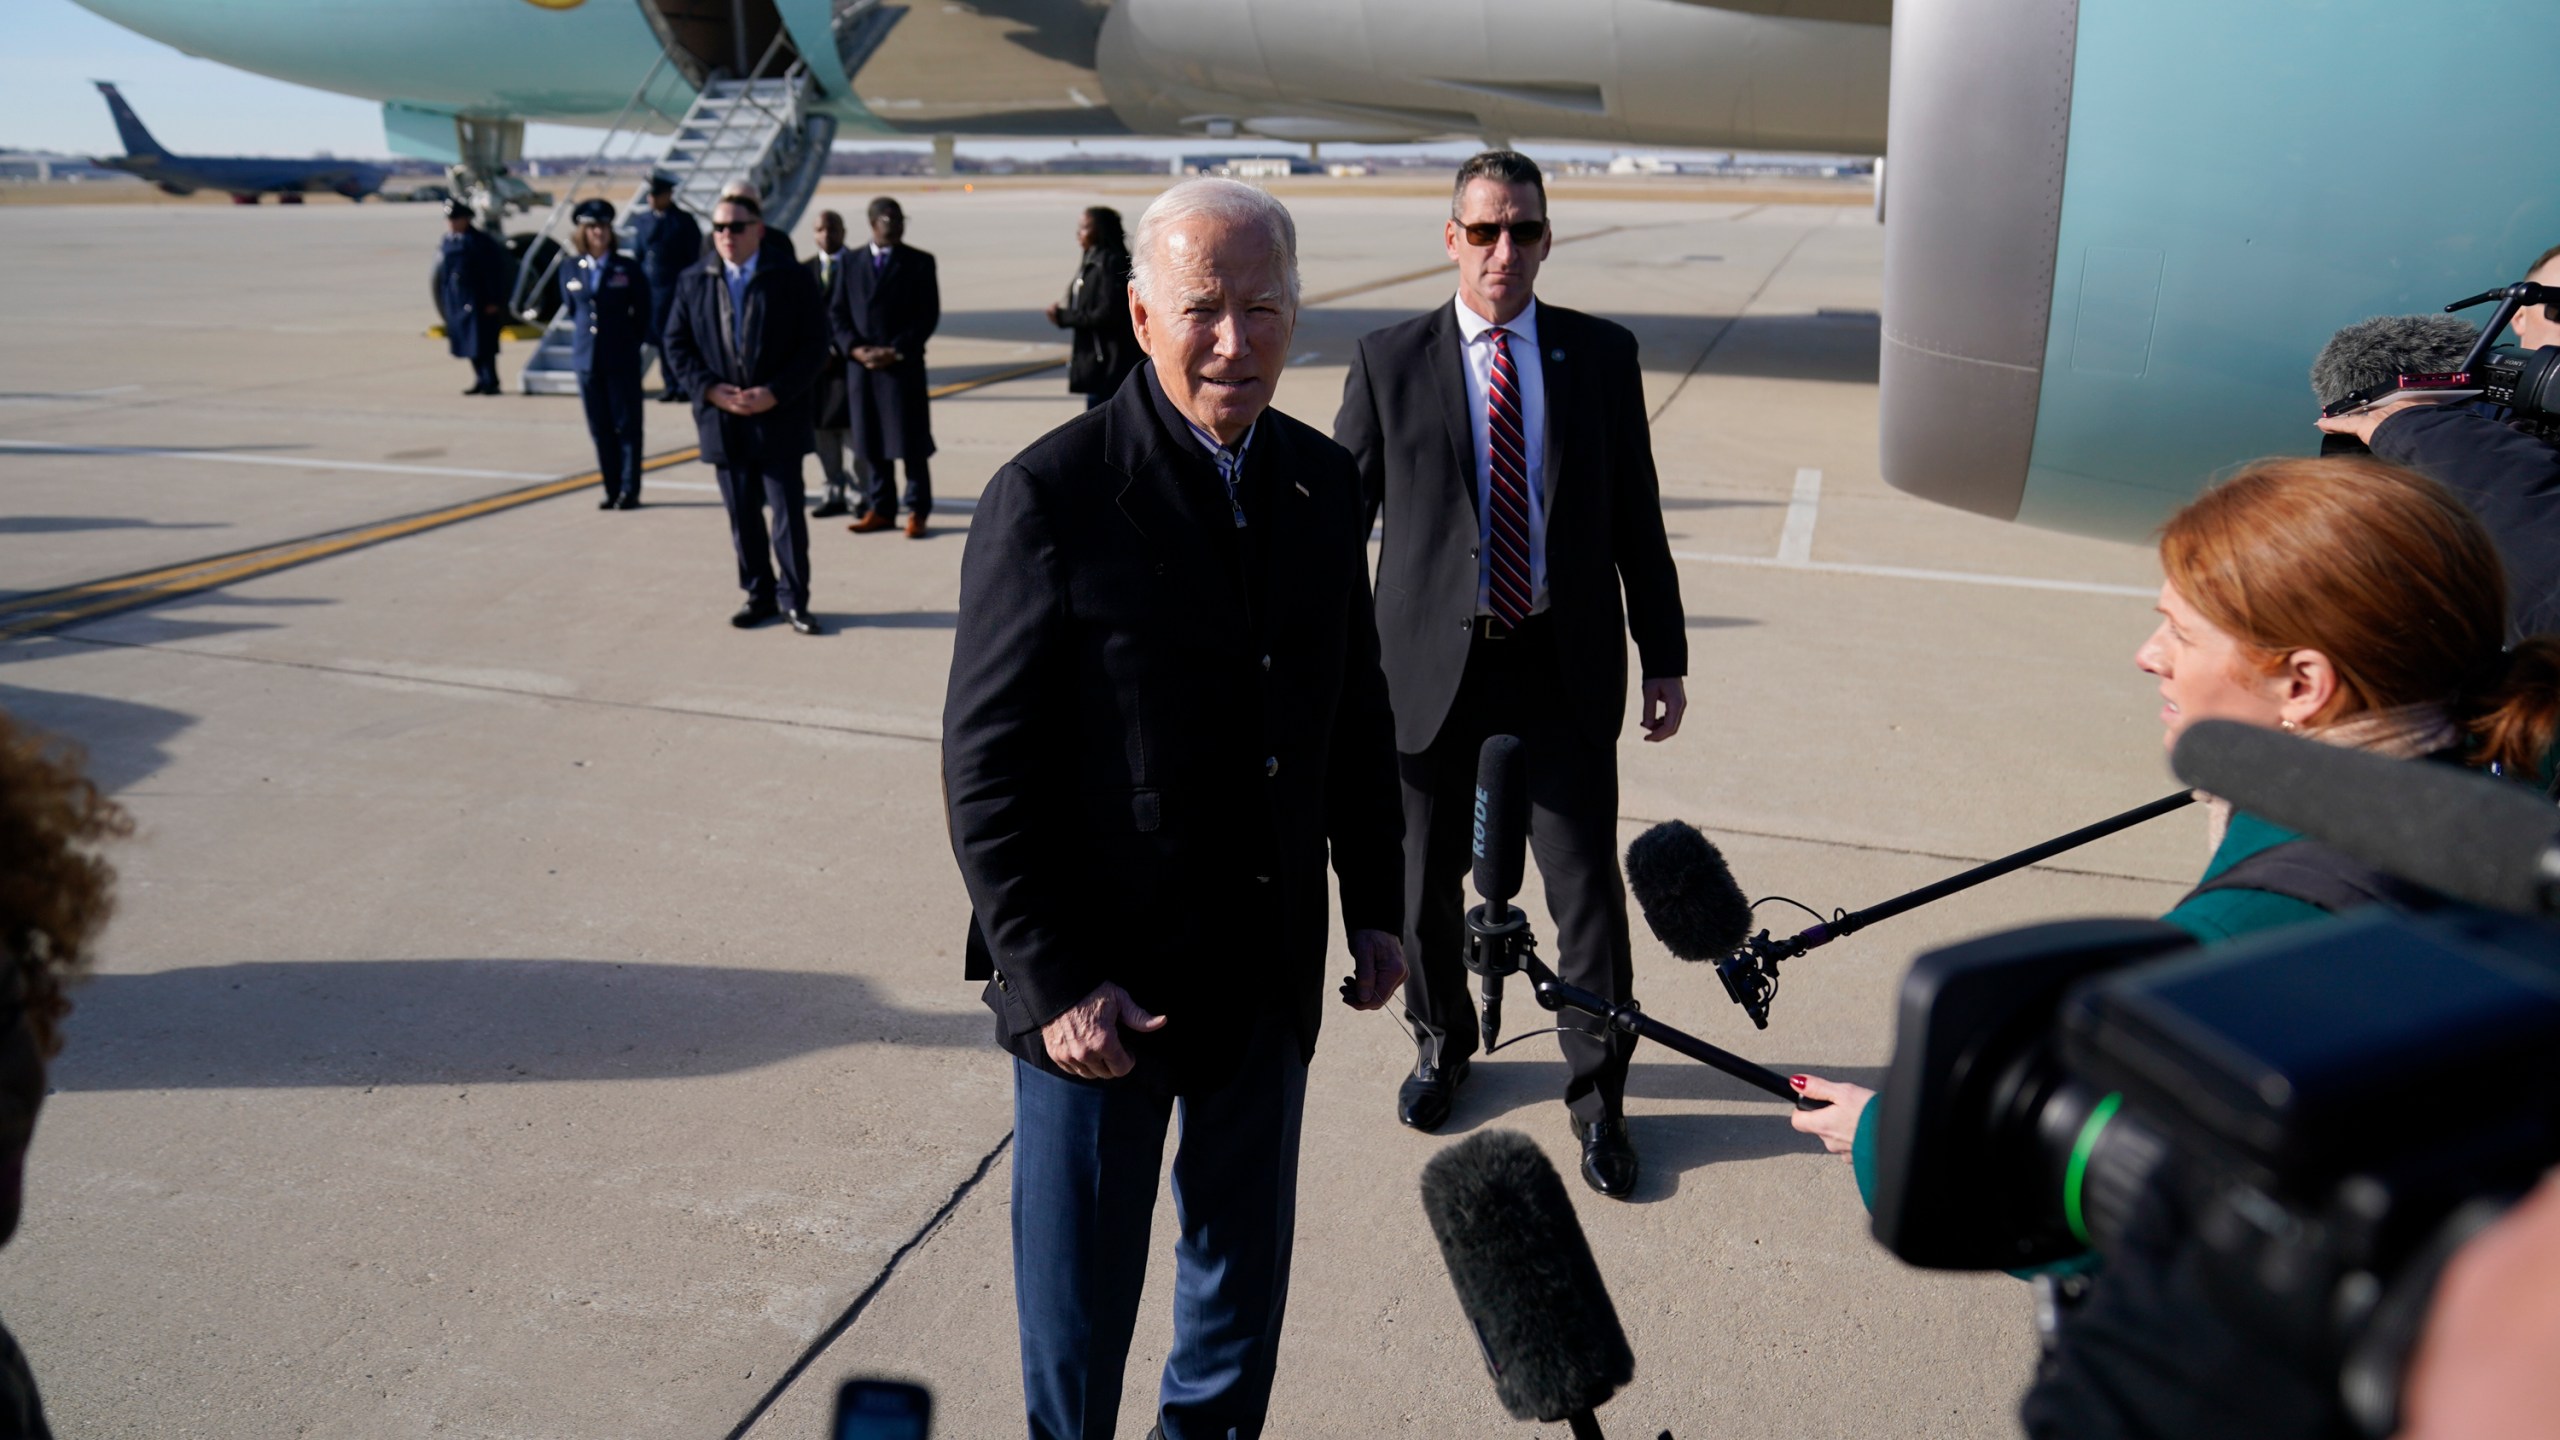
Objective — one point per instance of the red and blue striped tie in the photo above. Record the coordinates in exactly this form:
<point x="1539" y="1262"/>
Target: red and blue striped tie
<point x="1508" y="528"/>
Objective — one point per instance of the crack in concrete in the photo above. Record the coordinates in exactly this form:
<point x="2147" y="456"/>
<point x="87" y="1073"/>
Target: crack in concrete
<point x="861" y="1302"/>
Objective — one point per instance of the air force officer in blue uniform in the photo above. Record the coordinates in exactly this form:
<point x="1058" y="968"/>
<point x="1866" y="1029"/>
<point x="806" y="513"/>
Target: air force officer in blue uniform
<point x="605" y="295"/>
<point x="472" y="276"/>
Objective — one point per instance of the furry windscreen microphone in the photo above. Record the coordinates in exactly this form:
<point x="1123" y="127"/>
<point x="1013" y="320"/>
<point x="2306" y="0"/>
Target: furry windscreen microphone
<point x="1525" y="1277"/>
<point x="1687" y="892"/>
<point x="2386" y="347"/>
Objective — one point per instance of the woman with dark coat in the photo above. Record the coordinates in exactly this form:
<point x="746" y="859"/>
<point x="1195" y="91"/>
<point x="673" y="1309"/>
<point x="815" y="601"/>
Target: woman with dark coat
<point x="1097" y="309"/>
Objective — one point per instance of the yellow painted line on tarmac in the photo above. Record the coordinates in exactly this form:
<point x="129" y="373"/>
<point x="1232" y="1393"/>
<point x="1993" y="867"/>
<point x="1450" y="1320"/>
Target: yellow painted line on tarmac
<point x="90" y="600"/>
<point x="44" y="610"/>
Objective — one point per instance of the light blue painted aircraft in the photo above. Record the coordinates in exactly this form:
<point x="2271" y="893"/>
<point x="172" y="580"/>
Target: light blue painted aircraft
<point x="2118" y="230"/>
<point x="246" y="177"/>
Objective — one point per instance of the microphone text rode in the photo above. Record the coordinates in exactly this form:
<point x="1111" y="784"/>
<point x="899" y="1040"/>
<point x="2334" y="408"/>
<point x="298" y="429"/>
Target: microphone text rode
<point x="1501" y="832"/>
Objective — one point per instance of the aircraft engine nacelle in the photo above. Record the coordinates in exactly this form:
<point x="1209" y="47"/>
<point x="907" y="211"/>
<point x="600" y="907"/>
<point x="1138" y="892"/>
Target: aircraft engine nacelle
<point x="2120" y="231"/>
<point x="1773" y="74"/>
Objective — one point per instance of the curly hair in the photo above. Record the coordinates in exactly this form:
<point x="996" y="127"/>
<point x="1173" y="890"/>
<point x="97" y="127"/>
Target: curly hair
<point x="55" y="891"/>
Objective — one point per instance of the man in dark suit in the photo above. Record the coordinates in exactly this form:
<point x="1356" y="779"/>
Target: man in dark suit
<point x="1165" y="713"/>
<point x="746" y="339"/>
<point x="668" y="244"/>
<point x="831" y="417"/>
<point x="1506" y="443"/>
<point x="882" y="314"/>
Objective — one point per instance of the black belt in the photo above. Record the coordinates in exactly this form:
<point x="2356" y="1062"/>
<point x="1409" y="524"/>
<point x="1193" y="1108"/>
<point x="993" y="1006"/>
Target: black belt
<point x="1491" y="627"/>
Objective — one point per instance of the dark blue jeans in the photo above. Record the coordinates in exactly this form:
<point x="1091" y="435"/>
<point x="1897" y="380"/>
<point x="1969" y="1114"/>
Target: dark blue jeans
<point x="612" y="400"/>
<point x="1085" y="1160"/>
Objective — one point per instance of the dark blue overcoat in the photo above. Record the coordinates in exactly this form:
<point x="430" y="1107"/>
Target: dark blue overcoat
<point x="780" y="343"/>
<point x="897" y="303"/>
<point x="472" y="278"/>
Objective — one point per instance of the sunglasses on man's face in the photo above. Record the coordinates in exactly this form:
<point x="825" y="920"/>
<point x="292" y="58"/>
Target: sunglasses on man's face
<point x="735" y="227"/>
<point x="1523" y="232"/>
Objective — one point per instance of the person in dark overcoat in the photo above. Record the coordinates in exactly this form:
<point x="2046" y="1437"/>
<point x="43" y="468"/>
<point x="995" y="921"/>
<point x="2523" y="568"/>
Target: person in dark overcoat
<point x="831" y="418"/>
<point x="746" y="338"/>
<point x="605" y="296"/>
<point x="1097" y="310"/>
<point x="1165" y="718"/>
<point x="668" y="244"/>
<point x="472" y="277"/>
<point x="882" y="315"/>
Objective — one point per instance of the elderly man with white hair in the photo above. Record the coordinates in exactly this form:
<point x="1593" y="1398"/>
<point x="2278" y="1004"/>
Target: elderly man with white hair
<point x="1165" y="715"/>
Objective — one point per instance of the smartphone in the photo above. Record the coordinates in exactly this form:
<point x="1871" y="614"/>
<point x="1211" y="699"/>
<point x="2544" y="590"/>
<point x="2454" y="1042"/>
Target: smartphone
<point x="883" y="1410"/>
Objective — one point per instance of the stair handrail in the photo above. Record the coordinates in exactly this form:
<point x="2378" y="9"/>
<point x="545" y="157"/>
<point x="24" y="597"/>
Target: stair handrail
<point x="531" y="281"/>
<point x="729" y="115"/>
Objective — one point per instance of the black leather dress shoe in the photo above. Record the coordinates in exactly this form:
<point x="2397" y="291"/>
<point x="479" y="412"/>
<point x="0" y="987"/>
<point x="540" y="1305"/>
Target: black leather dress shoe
<point x="804" y="622"/>
<point x="754" y="613"/>
<point x="1608" y="1157"/>
<point x="1423" y="1100"/>
<point x="627" y="502"/>
<point x="610" y="502"/>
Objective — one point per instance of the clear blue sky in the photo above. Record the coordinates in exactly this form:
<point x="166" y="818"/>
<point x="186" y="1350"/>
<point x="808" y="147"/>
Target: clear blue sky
<point x="51" y="49"/>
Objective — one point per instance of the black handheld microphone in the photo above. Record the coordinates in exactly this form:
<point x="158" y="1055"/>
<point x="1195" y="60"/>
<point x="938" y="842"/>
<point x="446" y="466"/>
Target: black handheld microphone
<point x="2471" y="836"/>
<point x="1526" y="1280"/>
<point x="1502" y="804"/>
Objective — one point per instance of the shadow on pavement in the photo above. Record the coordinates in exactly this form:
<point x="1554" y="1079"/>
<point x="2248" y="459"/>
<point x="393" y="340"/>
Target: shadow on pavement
<point x="1528" y="1094"/>
<point x="125" y="743"/>
<point x="278" y="1024"/>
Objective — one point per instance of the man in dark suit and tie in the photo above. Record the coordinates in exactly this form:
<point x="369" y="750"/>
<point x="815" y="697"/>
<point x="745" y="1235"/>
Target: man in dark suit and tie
<point x="1165" y="713"/>
<point x="882" y="313"/>
<point x="745" y="338"/>
<point x="1506" y="443"/>
<point x="831" y="412"/>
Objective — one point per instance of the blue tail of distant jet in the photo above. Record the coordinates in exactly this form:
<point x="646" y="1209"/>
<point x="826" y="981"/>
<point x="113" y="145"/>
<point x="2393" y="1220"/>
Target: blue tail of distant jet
<point x="137" y="139"/>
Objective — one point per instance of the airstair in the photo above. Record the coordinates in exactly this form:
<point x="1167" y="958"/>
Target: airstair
<point x="763" y="129"/>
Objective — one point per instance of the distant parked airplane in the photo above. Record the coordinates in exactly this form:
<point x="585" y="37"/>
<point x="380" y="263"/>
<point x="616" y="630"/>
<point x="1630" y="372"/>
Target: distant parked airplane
<point x="246" y="177"/>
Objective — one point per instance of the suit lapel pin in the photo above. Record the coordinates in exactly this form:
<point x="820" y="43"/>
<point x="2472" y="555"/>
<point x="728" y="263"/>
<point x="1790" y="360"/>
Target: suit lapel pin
<point x="1303" y="490"/>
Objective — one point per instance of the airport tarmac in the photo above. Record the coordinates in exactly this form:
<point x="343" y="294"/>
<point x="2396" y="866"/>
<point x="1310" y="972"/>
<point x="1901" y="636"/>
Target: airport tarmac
<point x="534" y="1008"/>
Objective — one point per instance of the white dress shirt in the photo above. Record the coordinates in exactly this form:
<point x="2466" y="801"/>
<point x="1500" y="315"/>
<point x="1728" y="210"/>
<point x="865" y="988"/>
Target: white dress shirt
<point x="1475" y="348"/>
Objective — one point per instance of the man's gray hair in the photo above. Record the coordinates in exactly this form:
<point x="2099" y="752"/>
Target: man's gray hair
<point x="1229" y="201"/>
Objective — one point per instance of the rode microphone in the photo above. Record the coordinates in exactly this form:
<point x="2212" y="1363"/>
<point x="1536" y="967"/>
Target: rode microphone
<point x="1526" y="1280"/>
<point x="2454" y="830"/>
<point x="1501" y="830"/>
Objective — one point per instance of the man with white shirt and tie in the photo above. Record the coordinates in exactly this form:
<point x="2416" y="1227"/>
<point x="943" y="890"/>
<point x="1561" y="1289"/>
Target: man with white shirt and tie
<point x="1505" y="445"/>
<point x="883" y="310"/>
<point x="746" y="339"/>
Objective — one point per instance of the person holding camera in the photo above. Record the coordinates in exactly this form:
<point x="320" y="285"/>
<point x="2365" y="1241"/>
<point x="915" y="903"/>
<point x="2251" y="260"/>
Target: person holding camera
<point x="2350" y="600"/>
<point x="2501" y="463"/>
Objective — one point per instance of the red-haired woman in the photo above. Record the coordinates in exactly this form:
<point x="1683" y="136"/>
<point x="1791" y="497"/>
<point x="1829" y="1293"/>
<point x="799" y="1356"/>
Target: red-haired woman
<point x="2349" y="600"/>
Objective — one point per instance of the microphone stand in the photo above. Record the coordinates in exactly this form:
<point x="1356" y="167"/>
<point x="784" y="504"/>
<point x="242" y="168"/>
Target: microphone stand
<point x="1750" y="974"/>
<point x="1501" y="946"/>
